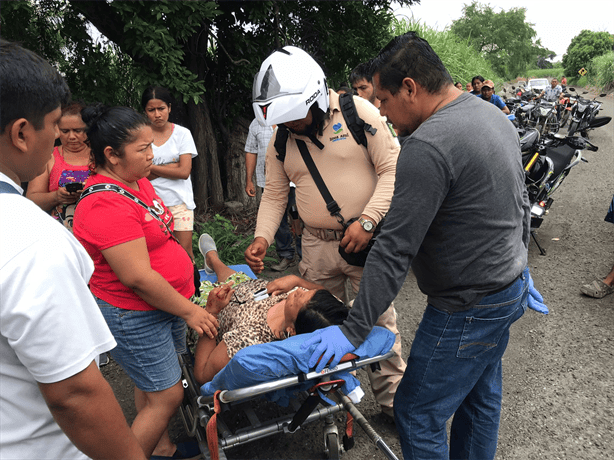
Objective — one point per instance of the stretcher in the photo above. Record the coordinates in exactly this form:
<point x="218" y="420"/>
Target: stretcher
<point x="278" y="372"/>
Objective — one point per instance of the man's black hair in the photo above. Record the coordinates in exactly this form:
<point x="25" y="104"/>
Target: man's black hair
<point x="30" y="87"/>
<point x="361" y="71"/>
<point x="323" y="310"/>
<point x="409" y="56"/>
<point x="477" y="77"/>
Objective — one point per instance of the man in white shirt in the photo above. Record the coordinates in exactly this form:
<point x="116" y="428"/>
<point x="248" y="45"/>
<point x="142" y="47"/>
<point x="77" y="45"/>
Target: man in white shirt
<point x="54" y="402"/>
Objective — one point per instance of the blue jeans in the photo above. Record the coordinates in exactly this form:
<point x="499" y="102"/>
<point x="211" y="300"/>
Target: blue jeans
<point x="454" y="369"/>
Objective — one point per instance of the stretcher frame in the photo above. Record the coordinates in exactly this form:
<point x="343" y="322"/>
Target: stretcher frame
<point x="199" y="412"/>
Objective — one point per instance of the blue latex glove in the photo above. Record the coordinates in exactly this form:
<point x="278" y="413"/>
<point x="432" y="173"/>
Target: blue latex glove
<point x="535" y="299"/>
<point x="331" y="344"/>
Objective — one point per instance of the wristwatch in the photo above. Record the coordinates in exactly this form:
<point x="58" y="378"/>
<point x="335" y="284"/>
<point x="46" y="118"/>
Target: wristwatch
<point x="367" y="225"/>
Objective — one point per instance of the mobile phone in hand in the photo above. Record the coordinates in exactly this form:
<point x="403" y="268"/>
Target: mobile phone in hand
<point x="74" y="187"/>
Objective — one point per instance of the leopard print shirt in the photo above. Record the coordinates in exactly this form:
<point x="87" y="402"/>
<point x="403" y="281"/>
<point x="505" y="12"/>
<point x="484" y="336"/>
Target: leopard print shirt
<point x="244" y="321"/>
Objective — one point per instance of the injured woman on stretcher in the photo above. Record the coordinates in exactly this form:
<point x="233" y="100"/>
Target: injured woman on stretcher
<point x="251" y="312"/>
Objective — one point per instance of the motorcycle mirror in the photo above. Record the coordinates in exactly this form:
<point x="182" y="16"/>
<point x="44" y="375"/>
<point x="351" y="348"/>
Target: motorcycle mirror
<point x="603" y="95"/>
<point x="571" y="89"/>
<point x="584" y="92"/>
<point x="513" y="87"/>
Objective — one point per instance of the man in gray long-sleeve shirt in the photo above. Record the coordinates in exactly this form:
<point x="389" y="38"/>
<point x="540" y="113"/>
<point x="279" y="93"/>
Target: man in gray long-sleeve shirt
<point x="460" y="218"/>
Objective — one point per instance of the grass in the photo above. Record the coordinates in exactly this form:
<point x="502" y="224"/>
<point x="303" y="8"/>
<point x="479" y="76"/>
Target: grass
<point x="546" y="73"/>
<point x="231" y="240"/>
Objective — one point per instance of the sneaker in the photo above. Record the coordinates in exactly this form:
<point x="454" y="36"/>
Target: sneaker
<point x="284" y="264"/>
<point x="205" y="245"/>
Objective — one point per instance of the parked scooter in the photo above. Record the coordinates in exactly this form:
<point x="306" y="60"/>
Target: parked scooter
<point x="584" y="115"/>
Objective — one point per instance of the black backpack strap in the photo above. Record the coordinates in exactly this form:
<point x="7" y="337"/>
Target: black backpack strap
<point x="281" y="140"/>
<point x="331" y="204"/>
<point x="356" y="125"/>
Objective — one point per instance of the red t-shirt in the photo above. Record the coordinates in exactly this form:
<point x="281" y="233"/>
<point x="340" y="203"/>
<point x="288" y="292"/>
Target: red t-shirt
<point x="106" y="219"/>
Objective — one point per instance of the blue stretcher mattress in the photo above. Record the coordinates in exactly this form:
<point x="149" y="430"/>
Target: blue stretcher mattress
<point x="238" y="268"/>
<point x="271" y="361"/>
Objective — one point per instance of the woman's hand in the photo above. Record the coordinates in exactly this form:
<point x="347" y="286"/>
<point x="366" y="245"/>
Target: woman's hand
<point x="63" y="196"/>
<point x="283" y="284"/>
<point x="219" y="298"/>
<point x="202" y="322"/>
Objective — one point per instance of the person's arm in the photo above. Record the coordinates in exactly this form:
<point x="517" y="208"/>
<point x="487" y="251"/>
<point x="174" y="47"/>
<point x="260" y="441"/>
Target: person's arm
<point x="180" y="170"/>
<point x="540" y="95"/>
<point x="38" y="191"/>
<point x="250" y="167"/>
<point x="209" y="359"/>
<point x="85" y="407"/>
<point x="130" y="263"/>
<point x="287" y="283"/>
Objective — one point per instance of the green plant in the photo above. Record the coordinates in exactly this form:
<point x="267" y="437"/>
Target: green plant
<point x="461" y="60"/>
<point x="601" y="70"/>
<point x="231" y="245"/>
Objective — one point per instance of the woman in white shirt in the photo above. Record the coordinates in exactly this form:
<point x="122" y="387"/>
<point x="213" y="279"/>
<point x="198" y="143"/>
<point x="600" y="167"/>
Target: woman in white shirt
<point x="173" y="150"/>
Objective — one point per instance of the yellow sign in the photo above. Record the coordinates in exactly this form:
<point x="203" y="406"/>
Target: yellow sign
<point x="582" y="71"/>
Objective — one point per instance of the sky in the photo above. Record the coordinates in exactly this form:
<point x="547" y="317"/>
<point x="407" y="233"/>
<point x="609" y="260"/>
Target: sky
<point x="556" y="22"/>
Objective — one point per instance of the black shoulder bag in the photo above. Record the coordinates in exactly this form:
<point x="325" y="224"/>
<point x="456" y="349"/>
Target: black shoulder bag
<point x="357" y="259"/>
<point x="117" y="189"/>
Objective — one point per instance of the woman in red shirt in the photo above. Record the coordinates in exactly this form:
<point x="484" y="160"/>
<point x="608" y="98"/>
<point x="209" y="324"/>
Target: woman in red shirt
<point x="143" y="278"/>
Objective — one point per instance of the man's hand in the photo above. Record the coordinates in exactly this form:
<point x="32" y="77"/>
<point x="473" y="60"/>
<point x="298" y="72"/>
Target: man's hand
<point x="332" y="343"/>
<point x="356" y="238"/>
<point x="535" y="299"/>
<point x="250" y="189"/>
<point x="254" y="254"/>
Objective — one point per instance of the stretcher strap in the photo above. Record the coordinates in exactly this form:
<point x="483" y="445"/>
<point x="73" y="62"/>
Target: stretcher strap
<point x="212" y="441"/>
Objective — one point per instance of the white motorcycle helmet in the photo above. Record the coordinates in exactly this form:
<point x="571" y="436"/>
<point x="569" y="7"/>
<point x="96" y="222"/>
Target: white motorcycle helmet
<point x="288" y="84"/>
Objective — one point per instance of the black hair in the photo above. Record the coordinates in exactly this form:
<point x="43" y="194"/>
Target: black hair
<point x="156" y="92"/>
<point x="409" y="56"/>
<point x="30" y="87"/>
<point x="477" y="77"/>
<point x="361" y="71"/>
<point x="323" y="310"/>
<point x="113" y="127"/>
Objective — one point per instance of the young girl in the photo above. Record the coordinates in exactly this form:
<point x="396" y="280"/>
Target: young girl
<point x="173" y="150"/>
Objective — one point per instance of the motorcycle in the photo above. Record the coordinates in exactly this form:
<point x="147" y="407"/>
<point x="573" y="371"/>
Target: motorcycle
<point x="519" y="107"/>
<point x="547" y="162"/>
<point x="584" y="115"/>
<point x="567" y="103"/>
<point x="543" y="117"/>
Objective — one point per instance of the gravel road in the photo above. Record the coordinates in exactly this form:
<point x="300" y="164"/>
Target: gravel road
<point x="558" y="398"/>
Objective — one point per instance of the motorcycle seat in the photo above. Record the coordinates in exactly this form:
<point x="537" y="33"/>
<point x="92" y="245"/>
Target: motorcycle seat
<point x="561" y="157"/>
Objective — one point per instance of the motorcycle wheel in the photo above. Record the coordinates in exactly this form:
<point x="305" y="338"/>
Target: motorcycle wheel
<point x="552" y="124"/>
<point x="573" y="127"/>
<point x="564" y="119"/>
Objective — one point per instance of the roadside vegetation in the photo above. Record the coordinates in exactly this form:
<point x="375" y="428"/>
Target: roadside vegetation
<point x="462" y="60"/>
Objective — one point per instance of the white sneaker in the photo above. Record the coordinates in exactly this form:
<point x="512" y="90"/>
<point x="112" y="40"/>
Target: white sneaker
<point x="205" y="245"/>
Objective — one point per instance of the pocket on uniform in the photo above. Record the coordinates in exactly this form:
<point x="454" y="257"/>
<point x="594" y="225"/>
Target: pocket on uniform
<point x="482" y="334"/>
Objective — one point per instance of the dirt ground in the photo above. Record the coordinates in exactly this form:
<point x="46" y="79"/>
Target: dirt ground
<point x="558" y="400"/>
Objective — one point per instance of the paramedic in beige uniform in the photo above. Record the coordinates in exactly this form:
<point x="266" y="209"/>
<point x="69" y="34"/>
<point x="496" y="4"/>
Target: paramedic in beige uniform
<point x="290" y="90"/>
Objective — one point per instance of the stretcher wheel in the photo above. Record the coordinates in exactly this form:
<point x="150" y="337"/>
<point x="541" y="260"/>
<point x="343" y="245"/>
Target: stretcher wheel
<point x="332" y="446"/>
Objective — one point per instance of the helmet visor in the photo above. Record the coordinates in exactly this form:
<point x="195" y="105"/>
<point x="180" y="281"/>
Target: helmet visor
<point x="269" y="87"/>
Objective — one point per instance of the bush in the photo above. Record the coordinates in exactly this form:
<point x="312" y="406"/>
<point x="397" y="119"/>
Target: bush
<point x="601" y="71"/>
<point x="462" y="61"/>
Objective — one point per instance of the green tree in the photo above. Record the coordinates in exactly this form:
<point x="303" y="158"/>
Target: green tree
<point x="207" y="53"/>
<point x="504" y="38"/>
<point x="584" y="47"/>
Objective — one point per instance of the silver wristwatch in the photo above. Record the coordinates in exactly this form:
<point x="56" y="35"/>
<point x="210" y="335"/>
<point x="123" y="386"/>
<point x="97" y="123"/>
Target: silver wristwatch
<point x="367" y="225"/>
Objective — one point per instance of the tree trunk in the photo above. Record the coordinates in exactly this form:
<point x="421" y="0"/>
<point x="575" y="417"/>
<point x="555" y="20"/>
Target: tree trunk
<point x="235" y="164"/>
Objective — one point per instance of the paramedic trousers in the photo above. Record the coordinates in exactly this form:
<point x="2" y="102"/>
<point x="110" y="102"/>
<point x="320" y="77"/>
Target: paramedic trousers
<point x="454" y="369"/>
<point x="322" y="264"/>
